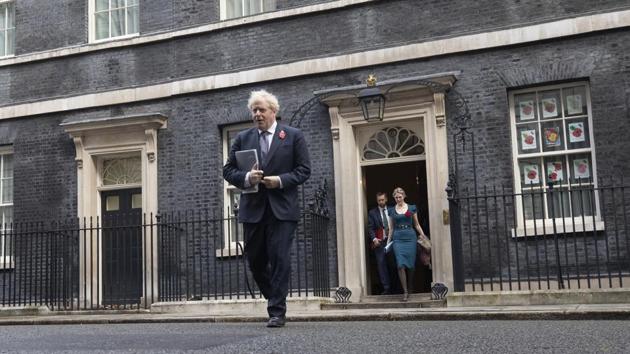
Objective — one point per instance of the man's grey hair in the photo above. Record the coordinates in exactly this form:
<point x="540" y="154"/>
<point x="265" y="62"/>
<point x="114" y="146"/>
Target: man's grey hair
<point x="264" y="96"/>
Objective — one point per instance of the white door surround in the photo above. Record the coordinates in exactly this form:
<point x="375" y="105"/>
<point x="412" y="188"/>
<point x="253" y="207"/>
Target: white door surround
<point x="405" y="104"/>
<point x="96" y="140"/>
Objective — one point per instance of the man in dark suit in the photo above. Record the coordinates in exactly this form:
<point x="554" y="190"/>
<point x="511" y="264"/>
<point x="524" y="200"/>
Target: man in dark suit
<point x="377" y="238"/>
<point x="270" y="215"/>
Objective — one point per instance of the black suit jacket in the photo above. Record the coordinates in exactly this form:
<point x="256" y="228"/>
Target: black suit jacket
<point x="287" y="158"/>
<point x="374" y="223"/>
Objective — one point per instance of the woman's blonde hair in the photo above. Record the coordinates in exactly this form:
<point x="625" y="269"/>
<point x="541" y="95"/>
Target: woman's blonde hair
<point x="398" y="190"/>
<point x="263" y="96"/>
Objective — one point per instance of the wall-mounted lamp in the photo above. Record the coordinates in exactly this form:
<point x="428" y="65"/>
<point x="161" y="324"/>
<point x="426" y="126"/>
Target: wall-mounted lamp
<point x="372" y="101"/>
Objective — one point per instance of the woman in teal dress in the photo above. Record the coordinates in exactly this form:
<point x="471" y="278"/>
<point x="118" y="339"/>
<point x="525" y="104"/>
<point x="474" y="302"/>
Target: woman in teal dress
<point x="403" y="219"/>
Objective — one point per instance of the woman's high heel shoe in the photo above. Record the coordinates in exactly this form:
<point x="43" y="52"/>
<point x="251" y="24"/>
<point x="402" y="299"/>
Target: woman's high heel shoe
<point x="405" y="297"/>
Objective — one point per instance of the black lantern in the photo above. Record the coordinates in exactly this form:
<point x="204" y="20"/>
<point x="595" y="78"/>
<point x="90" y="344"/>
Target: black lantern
<point x="372" y="101"/>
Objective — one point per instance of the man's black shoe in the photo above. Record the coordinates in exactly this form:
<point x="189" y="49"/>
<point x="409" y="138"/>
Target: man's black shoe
<point x="275" y="322"/>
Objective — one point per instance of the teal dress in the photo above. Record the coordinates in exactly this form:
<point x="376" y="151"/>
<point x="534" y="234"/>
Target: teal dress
<point x="404" y="237"/>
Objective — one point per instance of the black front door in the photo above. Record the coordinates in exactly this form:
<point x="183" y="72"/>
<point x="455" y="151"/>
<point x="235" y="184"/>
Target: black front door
<point x="121" y="212"/>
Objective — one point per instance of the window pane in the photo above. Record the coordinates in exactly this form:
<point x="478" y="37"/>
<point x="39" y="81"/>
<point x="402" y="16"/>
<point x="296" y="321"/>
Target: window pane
<point x="132" y="2"/>
<point x="580" y="168"/>
<point x="558" y="203"/>
<point x="582" y="201"/>
<point x="574" y="101"/>
<point x="234" y="8"/>
<point x="136" y="201"/>
<point x="552" y="136"/>
<point x="549" y="102"/>
<point x="269" y="5"/>
<point x="112" y="203"/>
<point x="11" y="17"/>
<point x="10" y="42"/>
<point x="132" y="20"/>
<point x="118" y="22"/>
<point x="533" y="205"/>
<point x="102" y="25"/>
<point x="555" y="170"/>
<point x="3" y="18"/>
<point x="530" y="172"/>
<point x="236" y="231"/>
<point x="578" y="135"/>
<point x="7" y="190"/>
<point x="117" y="4"/>
<point x="7" y="166"/>
<point x="102" y="5"/>
<point x="525" y="107"/>
<point x="3" y="35"/>
<point x="252" y="7"/>
<point x="528" y="138"/>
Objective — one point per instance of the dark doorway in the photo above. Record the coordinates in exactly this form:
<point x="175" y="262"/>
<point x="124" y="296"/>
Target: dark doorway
<point x="121" y="212"/>
<point x="412" y="177"/>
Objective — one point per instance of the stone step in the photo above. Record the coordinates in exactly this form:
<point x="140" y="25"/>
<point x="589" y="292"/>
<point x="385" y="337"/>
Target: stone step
<point x="395" y="298"/>
<point x="385" y="305"/>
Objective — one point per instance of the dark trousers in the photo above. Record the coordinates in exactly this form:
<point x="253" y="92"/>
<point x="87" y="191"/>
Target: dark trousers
<point x="268" y="247"/>
<point x="381" y="266"/>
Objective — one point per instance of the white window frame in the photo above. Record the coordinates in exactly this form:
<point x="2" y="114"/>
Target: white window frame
<point x="92" y="24"/>
<point x="265" y="5"/>
<point x="6" y="262"/>
<point x="230" y="249"/>
<point x="5" y="28"/>
<point x="568" y="224"/>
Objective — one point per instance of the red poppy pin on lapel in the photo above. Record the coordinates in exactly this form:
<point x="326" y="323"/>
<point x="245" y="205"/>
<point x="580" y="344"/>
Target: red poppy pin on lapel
<point x="407" y="213"/>
<point x="282" y="134"/>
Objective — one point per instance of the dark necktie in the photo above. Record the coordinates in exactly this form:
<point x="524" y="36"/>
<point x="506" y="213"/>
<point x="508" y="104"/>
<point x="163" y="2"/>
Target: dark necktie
<point x="264" y="145"/>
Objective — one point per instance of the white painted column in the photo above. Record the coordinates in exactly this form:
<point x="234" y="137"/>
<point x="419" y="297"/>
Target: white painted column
<point x="437" y="173"/>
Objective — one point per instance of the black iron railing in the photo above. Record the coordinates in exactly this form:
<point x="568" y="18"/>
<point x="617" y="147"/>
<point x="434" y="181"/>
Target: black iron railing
<point x="553" y="238"/>
<point x="132" y="261"/>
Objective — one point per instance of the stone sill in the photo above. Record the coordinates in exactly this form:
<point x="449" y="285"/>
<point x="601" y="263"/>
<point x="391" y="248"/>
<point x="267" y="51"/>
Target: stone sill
<point x="6" y="263"/>
<point x="231" y="251"/>
<point x="562" y="227"/>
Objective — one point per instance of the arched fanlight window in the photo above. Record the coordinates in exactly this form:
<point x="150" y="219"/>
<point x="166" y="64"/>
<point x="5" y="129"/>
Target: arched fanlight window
<point x="122" y="171"/>
<point x="393" y="142"/>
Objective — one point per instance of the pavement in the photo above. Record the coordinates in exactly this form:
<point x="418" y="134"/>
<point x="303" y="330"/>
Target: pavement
<point x="541" y="312"/>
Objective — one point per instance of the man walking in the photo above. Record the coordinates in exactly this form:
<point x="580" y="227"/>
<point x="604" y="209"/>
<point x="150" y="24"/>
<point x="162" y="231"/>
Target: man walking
<point x="270" y="215"/>
<point x="377" y="233"/>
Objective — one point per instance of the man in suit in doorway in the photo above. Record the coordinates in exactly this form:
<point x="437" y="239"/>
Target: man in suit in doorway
<point x="270" y="215"/>
<point x="377" y="238"/>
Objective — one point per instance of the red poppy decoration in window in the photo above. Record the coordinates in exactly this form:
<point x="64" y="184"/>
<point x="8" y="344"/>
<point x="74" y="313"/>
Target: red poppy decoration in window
<point x="282" y="134"/>
<point x="408" y="213"/>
